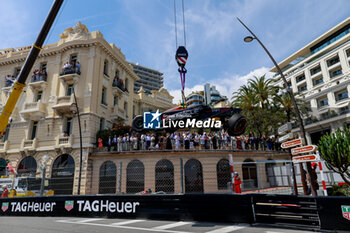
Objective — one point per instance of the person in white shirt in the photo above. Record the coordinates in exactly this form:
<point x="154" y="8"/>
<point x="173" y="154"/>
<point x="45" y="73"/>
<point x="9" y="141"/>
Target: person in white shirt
<point x="177" y="141"/>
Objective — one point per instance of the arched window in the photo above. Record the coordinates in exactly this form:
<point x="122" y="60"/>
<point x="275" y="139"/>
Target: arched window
<point x="27" y="167"/>
<point x="62" y="175"/>
<point x="249" y="174"/>
<point x="105" y="68"/>
<point x="108" y="178"/>
<point x="135" y="177"/>
<point x="223" y="173"/>
<point x="193" y="176"/>
<point x="165" y="176"/>
<point x="3" y="167"/>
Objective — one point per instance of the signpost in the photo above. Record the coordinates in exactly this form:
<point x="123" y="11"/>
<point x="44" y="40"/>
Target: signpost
<point x="305" y="158"/>
<point x="293" y="143"/>
<point x="285" y="128"/>
<point x="304" y="149"/>
<point x="286" y="137"/>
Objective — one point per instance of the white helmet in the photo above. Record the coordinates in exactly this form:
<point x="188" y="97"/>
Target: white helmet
<point x="235" y="173"/>
<point x="4" y="186"/>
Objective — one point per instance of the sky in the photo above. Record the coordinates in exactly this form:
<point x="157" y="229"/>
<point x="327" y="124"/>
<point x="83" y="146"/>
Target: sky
<point x="145" y="32"/>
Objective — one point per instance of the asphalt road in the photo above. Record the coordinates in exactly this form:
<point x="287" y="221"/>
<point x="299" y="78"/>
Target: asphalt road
<point x="103" y="225"/>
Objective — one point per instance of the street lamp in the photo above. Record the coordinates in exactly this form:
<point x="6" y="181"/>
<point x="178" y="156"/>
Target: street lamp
<point x="297" y="112"/>
<point x="81" y="142"/>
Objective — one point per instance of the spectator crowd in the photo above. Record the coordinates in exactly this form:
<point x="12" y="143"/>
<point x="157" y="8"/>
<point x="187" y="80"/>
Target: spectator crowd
<point x="71" y="68"/>
<point x="188" y="141"/>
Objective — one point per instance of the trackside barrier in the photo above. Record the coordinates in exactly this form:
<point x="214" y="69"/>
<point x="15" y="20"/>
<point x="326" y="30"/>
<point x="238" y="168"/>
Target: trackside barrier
<point x="334" y="212"/>
<point x="286" y="209"/>
<point x="328" y="213"/>
<point x="199" y="207"/>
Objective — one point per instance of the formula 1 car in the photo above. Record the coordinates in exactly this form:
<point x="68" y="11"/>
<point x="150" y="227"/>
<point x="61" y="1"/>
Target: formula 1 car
<point x="231" y="121"/>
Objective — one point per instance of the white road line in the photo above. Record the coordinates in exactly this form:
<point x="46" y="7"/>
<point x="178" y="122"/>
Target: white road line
<point x="226" y="229"/>
<point x="90" y="220"/>
<point x="123" y="227"/>
<point x="126" y="222"/>
<point x="172" y="225"/>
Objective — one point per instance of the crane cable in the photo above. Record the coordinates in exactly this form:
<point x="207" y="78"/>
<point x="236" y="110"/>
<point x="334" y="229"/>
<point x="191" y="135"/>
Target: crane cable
<point x="181" y="52"/>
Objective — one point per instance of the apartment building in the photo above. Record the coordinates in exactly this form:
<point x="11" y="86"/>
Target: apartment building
<point x="150" y="79"/>
<point x="43" y="129"/>
<point x="320" y="73"/>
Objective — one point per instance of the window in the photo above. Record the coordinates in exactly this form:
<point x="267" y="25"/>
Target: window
<point x="17" y="70"/>
<point x="341" y="95"/>
<point x="332" y="61"/>
<point x="325" y="116"/>
<point x="116" y="74"/>
<point x="348" y="53"/>
<point x="323" y="103"/>
<point x="126" y="84"/>
<point x="164" y="174"/>
<point x="69" y="125"/>
<point x="102" y="123"/>
<point x="318" y="81"/>
<point x="126" y="109"/>
<point x="34" y="129"/>
<point x="115" y="100"/>
<point x="105" y="68"/>
<point x="223" y="174"/>
<point x="74" y="58"/>
<point x="135" y="177"/>
<point x="38" y="96"/>
<point x="108" y="178"/>
<point x="335" y="72"/>
<point x="300" y="78"/>
<point x="43" y="66"/>
<point x="315" y="70"/>
<point x="344" y="110"/>
<point x="103" y="97"/>
<point x="70" y="89"/>
<point x="302" y="88"/>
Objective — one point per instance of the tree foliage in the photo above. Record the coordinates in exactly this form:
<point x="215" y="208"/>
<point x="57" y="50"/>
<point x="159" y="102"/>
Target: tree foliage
<point x="264" y="109"/>
<point x="335" y="150"/>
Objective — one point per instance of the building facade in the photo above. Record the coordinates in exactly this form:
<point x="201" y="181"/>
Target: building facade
<point x="211" y="95"/>
<point x="194" y="99"/>
<point x="150" y="79"/>
<point x="320" y="73"/>
<point x="43" y="129"/>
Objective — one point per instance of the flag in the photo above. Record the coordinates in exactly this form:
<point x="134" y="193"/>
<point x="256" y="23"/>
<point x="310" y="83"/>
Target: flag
<point x="10" y="169"/>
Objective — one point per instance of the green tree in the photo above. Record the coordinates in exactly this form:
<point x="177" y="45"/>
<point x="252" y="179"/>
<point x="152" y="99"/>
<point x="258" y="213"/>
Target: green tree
<point x="335" y="150"/>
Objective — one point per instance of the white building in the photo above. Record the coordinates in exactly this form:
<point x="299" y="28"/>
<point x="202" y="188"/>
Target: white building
<point x="320" y="72"/>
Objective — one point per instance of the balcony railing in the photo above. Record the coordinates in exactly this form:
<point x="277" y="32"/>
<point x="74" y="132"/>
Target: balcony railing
<point x="336" y="73"/>
<point x="118" y="83"/>
<point x="39" y="78"/>
<point x="71" y="70"/>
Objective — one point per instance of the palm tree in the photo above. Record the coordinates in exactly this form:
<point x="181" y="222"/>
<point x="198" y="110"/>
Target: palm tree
<point x="263" y="89"/>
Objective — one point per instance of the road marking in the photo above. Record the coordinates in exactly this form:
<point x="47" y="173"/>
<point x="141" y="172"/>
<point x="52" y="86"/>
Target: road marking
<point x="226" y="229"/>
<point x="126" y="222"/>
<point x="90" y="220"/>
<point x="172" y="225"/>
<point x="121" y="226"/>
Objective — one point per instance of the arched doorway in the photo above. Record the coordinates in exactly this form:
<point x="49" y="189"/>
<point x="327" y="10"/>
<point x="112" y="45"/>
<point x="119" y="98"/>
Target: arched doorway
<point x="108" y="178"/>
<point x="164" y="176"/>
<point x="135" y="177"/>
<point x="250" y="179"/>
<point x="193" y="176"/>
<point x="27" y="167"/>
<point x="62" y="176"/>
<point x="223" y="173"/>
<point x="3" y="163"/>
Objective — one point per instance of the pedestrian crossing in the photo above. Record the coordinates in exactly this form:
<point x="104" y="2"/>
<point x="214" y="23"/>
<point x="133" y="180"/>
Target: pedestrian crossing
<point x="141" y="225"/>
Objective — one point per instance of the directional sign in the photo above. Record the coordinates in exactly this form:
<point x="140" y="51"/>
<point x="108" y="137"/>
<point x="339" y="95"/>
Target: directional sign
<point x="285" y="128"/>
<point x="304" y="158"/>
<point x="304" y="149"/>
<point x="286" y="137"/>
<point x="293" y="143"/>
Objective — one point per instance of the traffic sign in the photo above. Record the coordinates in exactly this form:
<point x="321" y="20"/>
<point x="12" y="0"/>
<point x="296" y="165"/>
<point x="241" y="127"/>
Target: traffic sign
<point x="285" y="128"/>
<point x="304" y="158"/>
<point x="304" y="149"/>
<point x="293" y="143"/>
<point x="286" y="137"/>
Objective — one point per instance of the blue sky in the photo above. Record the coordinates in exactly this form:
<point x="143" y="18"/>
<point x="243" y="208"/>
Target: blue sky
<point x="144" y="30"/>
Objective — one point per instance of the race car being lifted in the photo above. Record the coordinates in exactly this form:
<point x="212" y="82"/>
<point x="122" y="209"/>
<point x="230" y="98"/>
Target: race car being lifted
<point x="230" y="119"/>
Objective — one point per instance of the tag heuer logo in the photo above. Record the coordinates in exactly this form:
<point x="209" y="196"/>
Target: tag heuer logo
<point x="69" y="205"/>
<point x="346" y="211"/>
<point x="5" y="206"/>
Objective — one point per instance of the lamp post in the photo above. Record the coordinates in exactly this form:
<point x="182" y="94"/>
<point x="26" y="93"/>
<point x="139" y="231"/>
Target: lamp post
<point x="81" y="142"/>
<point x="296" y="109"/>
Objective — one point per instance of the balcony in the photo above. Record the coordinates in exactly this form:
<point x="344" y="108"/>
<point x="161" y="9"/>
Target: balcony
<point x="63" y="104"/>
<point x="118" y="113"/>
<point x="29" y="144"/>
<point x="335" y="73"/>
<point x="38" y="82"/>
<point x="70" y="75"/>
<point x="62" y="141"/>
<point x="118" y="83"/>
<point x="4" y="146"/>
<point x="34" y="111"/>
